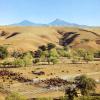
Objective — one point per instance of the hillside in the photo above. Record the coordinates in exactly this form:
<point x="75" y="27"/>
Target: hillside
<point x="29" y="38"/>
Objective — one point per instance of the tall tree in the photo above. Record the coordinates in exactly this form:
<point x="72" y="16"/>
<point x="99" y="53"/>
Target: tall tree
<point x="50" y="46"/>
<point x="3" y="52"/>
<point x="85" y="84"/>
<point x="71" y="92"/>
<point x="43" y="48"/>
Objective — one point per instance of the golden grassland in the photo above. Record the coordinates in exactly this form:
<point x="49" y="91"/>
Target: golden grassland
<point x="92" y="70"/>
<point x="68" y="71"/>
<point x="32" y="37"/>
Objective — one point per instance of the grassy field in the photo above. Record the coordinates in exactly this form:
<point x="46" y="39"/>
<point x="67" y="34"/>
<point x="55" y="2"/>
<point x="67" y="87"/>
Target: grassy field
<point x="66" y="71"/>
<point x="32" y="37"/>
<point x="61" y="70"/>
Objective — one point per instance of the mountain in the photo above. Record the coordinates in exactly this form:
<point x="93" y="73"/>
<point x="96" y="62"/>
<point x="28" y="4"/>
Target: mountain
<point x="59" y="22"/>
<point x="27" y="23"/>
<point x="56" y="22"/>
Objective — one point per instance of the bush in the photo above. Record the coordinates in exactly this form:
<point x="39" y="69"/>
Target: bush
<point x="89" y="56"/>
<point x="28" y="60"/>
<point x="85" y="85"/>
<point x="66" y="48"/>
<point x="3" y="52"/>
<point x="54" y="60"/>
<point x="43" y="48"/>
<point x="53" y="53"/>
<point x="52" y="56"/>
<point x="17" y="54"/>
<point x="18" y="62"/>
<point x="50" y="46"/>
<point x="64" y="53"/>
<point x="37" y="54"/>
<point x="44" y="55"/>
<point x="36" y="60"/>
<point x="7" y="63"/>
<point x="15" y="96"/>
<point x="97" y="54"/>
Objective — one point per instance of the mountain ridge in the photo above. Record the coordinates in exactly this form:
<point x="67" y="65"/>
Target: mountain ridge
<point x="56" y="22"/>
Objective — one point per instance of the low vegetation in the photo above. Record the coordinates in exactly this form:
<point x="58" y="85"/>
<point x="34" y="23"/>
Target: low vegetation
<point x="50" y="54"/>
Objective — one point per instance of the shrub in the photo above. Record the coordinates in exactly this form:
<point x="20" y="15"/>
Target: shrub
<point x="17" y="54"/>
<point x="28" y="60"/>
<point x="54" y="60"/>
<point x="44" y="55"/>
<point x="85" y="84"/>
<point x="66" y="48"/>
<point x="36" y="60"/>
<point x="81" y="52"/>
<point x="50" y="46"/>
<point x="89" y="56"/>
<point x="64" y="53"/>
<point x="7" y="63"/>
<point x="43" y="48"/>
<point x="18" y="62"/>
<point x="53" y="53"/>
<point x="97" y="54"/>
<point x="52" y="56"/>
<point x="3" y="52"/>
<point x="37" y="54"/>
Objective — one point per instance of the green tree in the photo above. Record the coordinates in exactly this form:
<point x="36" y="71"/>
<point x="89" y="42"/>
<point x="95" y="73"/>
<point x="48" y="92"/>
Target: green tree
<point x="28" y="60"/>
<point x="89" y="56"/>
<point x="37" y="54"/>
<point x="53" y="53"/>
<point x="52" y="56"/>
<point x="43" y="48"/>
<point x="81" y="52"/>
<point x="18" y="62"/>
<point x="3" y="52"/>
<point x="75" y="57"/>
<point x="86" y="55"/>
<point x="97" y="54"/>
<point x="64" y="53"/>
<point x="66" y="48"/>
<point x="44" y="55"/>
<point x="71" y="92"/>
<point x="17" y="54"/>
<point x="50" y="46"/>
<point x="54" y="60"/>
<point x="36" y="60"/>
<point x="15" y="96"/>
<point x="86" y="85"/>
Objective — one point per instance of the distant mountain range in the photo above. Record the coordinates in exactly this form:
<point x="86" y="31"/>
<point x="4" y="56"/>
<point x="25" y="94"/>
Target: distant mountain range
<point x="56" y="22"/>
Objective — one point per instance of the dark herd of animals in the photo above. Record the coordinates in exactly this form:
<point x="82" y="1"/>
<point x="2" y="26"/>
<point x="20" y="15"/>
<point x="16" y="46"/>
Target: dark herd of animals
<point x="5" y="74"/>
<point x="38" y="73"/>
<point x="53" y="82"/>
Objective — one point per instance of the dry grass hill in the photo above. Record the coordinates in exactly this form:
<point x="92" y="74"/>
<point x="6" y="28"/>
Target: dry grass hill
<point x="29" y="38"/>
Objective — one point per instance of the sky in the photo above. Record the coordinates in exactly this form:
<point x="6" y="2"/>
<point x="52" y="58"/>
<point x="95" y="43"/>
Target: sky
<point x="86" y="12"/>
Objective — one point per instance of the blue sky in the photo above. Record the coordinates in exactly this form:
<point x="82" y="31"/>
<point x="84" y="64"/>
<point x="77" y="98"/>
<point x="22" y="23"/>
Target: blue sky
<point x="44" y="11"/>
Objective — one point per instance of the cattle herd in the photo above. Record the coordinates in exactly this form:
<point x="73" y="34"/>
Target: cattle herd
<point x="9" y="75"/>
<point x="53" y="82"/>
<point x="12" y="76"/>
